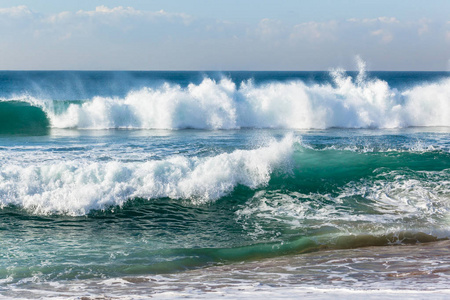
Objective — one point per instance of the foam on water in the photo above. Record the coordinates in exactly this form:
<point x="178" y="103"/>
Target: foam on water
<point x="362" y="102"/>
<point x="388" y="202"/>
<point x="78" y="186"/>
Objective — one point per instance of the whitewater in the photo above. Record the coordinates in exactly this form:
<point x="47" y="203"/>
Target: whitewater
<point x="76" y="187"/>
<point x="232" y="184"/>
<point x="343" y="102"/>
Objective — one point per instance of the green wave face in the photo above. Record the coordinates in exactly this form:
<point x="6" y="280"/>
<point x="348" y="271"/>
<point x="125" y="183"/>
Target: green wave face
<point x="18" y="117"/>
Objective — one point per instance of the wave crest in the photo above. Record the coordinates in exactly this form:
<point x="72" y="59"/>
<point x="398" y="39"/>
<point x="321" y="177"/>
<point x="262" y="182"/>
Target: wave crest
<point x="76" y="187"/>
<point x="346" y="102"/>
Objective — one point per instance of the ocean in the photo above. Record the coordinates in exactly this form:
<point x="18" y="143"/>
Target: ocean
<point x="224" y="184"/>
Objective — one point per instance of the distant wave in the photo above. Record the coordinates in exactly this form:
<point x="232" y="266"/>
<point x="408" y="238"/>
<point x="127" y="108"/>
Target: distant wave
<point x="344" y="103"/>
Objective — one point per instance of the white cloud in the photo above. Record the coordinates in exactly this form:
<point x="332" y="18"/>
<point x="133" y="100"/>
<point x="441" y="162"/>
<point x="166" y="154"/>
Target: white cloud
<point x="315" y="31"/>
<point x="59" y="17"/>
<point x="385" y="20"/>
<point x="388" y="20"/>
<point x="269" y="29"/>
<point x="104" y="10"/>
<point x="424" y="26"/>
<point x="130" y="12"/>
<point x="126" y="37"/>
<point x="386" y="37"/>
<point x="16" y="11"/>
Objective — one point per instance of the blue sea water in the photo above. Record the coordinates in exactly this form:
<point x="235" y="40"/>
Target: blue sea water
<point x="107" y="175"/>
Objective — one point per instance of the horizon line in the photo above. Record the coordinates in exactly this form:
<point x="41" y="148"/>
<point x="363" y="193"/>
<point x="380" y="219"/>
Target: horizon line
<point x="200" y="70"/>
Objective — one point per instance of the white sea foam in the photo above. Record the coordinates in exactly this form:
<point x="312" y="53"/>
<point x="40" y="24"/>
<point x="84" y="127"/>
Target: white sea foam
<point x="347" y="103"/>
<point x="424" y="195"/>
<point x="78" y="186"/>
<point x="391" y="197"/>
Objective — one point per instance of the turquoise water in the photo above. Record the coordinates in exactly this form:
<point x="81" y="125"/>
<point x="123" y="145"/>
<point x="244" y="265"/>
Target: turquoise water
<point x="105" y="175"/>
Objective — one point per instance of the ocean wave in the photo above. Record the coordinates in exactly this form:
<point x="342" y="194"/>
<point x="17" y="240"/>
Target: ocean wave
<point x="17" y="117"/>
<point x="389" y="202"/>
<point x="345" y="102"/>
<point x="77" y="187"/>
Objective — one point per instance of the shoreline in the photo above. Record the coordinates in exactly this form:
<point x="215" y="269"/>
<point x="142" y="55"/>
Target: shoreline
<point x="377" y="272"/>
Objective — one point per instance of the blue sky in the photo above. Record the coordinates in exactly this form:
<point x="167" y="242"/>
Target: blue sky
<point x="224" y="35"/>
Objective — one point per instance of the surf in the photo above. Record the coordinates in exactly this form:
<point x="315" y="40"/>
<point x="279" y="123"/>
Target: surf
<point x="79" y="186"/>
<point x="341" y="101"/>
<point x="76" y="187"/>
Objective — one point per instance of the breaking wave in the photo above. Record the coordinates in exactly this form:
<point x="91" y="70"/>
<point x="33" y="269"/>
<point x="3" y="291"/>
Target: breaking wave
<point x="345" y="102"/>
<point x="77" y="187"/>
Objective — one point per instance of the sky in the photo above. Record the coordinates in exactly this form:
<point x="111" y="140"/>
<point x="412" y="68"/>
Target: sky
<point x="224" y="35"/>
